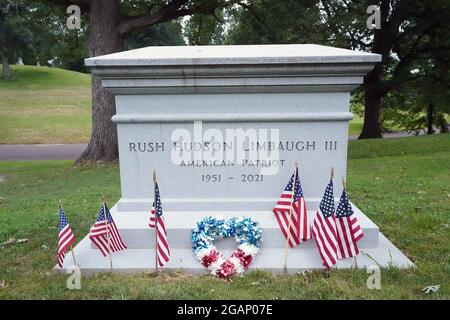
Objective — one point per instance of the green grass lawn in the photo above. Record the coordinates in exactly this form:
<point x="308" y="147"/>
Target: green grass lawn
<point x="50" y="105"/>
<point x="403" y="185"/>
<point x="45" y="105"/>
<point x="355" y="126"/>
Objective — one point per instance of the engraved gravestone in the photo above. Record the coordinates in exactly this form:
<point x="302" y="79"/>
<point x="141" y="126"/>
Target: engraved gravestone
<point x="222" y="126"/>
<point x="292" y="100"/>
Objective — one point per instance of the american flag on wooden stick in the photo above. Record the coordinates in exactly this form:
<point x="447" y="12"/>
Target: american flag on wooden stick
<point x="65" y="237"/>
<point x="291" y="213"/>
<point x="101" y="231"/>
<point x="157" y="219"/>
<point x="324" y="228"/>
<point x="348" y="229"/>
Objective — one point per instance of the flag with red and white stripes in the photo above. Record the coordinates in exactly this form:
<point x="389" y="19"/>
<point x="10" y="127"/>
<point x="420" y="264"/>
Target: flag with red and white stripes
<point x="324" y="228"/>
<point x="104" y="234"/>
<point x="290" y="212"/>
<point x="157" y="220"/>
<point x="65" y="237"/>
<point x="348" y="229"/>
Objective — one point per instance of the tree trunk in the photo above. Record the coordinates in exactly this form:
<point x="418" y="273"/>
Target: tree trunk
<point x="104" y="39"/>
<point x="443" y="123"/>
<point x="6" y="67"/>
<point x="373" y="92"/>
<point x="372" y="103"/>
<point x="430" y="118"/>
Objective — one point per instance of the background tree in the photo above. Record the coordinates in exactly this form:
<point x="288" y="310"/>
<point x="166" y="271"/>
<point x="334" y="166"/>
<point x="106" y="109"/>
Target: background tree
<point x="276" y="22"/>
<point x="203" y="29"/>
<point x="110" y="22"/>
<point x="58" y="45"/>
<point x="406" y="27"/>
<point x="36" y="32"/>
<point x="165" y="34"/>
<point x="423" y="102"/>
<point x="16" y="38"/>
<point x="402" y="41"/>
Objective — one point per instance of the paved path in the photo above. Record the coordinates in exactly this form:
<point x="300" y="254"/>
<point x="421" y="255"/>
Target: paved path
<point x="15" y="152"/>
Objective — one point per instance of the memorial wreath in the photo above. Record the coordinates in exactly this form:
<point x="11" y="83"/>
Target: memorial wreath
<point x="243" y="229"/>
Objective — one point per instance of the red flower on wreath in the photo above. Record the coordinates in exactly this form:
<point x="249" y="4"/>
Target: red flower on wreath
<point x="243" y="258"/>
<point x="243" y="229"/>
<point x="210" y="258"/>
<point x="226" y="269"/>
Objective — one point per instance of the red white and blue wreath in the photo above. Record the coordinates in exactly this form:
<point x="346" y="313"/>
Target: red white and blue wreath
<point x="243" y="229"/>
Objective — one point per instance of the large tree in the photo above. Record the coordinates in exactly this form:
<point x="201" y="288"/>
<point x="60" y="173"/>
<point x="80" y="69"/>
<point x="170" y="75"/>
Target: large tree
<point x="16" y="37"/>
<point x="423" y="102"/>
<point x="110" y="22"/>
<point x="403" y="39"/>
<point x="30" y="30"/>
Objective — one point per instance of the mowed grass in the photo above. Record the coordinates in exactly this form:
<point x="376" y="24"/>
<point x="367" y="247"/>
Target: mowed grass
<point x="50" y="105"/>
<point x="403" y="185"/>
<point x="355" y="126"/>
<point x="45" y="105"/>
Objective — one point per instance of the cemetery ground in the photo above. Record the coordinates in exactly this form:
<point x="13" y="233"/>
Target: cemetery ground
<point x="402" y="184"/>
<point x="45" y="105"/>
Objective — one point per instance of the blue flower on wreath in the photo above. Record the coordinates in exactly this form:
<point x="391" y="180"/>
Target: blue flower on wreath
<point x="243" y="229"/>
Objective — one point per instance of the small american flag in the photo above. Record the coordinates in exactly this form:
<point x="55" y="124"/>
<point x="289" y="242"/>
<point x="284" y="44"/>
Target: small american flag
<point x="324" y="228"/>
<point x="296" y="221"/>
<point x="348" y="229"/>
<point x="65" y="237"/>
<point x="156" y="218"/>
<point x="100" y="231"/>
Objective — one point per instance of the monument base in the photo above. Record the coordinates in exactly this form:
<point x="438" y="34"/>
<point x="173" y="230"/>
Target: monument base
<point x="140" y="240"/>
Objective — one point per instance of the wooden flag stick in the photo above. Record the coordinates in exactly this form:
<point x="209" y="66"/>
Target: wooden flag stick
<point x="344" y="185"/>
<point x="332" y="173"/>
<point x="108" y="237"/>
<point x="73" y="256"/>
<point x="71" y="247"/>
<point x="156" y="221"/>
<point x="294" y="184"/>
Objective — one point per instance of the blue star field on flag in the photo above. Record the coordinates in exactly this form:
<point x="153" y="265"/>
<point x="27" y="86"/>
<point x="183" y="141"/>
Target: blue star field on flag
<point x="327" y="203"/>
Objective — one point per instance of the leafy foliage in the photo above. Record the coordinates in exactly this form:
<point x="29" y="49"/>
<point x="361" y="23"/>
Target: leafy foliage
<point x="16" y="37"/>
<point x="272" y="22"/>
<point x="413" y="37"/>
<point x="423" y="101"/>
<point x="203" y="29"/>
<point x="166" y="34"/>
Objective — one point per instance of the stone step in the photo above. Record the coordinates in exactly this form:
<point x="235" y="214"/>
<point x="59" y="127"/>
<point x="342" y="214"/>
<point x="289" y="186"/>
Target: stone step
<point x="269" y="259"/>
<point x="134" y="230"/>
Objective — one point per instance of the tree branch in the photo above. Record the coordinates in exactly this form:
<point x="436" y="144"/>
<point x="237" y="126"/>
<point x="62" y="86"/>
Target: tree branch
<point x="170" y="11"/>
<point x="406" y="59"/>
<point x="253" y="12"/>
<point x="173" y="10"/>
<point x="217" y="18"/>
<point x="83" y="4"/>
